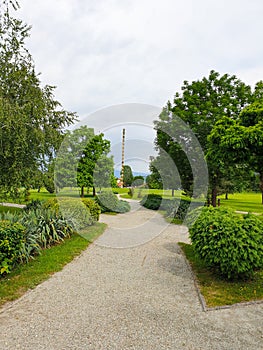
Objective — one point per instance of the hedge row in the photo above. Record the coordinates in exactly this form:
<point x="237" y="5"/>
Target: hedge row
<point x="175" y="208"/>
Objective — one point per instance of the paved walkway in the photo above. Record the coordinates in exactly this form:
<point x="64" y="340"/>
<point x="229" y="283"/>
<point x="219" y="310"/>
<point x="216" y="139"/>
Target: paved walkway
<point x="140" y="297"/>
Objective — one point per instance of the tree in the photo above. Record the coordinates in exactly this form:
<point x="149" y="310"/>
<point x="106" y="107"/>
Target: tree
<point x="32" y="122"/>
<point x="200" y="105"/>
<point x="153" y="181"/>
<point x="240" y="141"/>
<point x="104" y="172"/>
<point x="67" y="158"/>
<point x="127" y="176"/>
<point x="96" y="149"/>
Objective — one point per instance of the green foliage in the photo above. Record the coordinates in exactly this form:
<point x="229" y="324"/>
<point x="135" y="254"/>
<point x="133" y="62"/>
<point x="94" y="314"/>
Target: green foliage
<point x="175" y="208"/>
<point x="200" y="104"/>
<point x="33" y="205"/>
<point x="12" y="237"/>
<point x="76" y="213"/>
<point x="220" y="292"/>
<point x="95" y="151"/>
<point x="153" y="180"/>
<point x="127" y="176"/>
<point x="48" y="178"/>
<point x="93" y="208"/>
<point x="122" y="207"/>
<point x="107" y="201"/>
<point x="51" y="203"/>
<point x="138" y="181"/>
<point x="103" y="175"/>
<point x="228" y="242"/>
<point x="70" y="152"/>
<point x="240" y="141"/>
<point x="27" y="276"/>
<point x="152" y="201"/>
<point x="131" y="192"/>
<point x="31" y="120"/>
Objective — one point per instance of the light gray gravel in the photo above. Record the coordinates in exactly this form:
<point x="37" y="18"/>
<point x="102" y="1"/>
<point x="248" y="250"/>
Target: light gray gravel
<point x="135" y="298"/>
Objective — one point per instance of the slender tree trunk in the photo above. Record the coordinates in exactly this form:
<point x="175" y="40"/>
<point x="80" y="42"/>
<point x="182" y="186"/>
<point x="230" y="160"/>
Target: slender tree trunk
<point x="94" y="192"/>
<point x="82" y="191"/>
<point x="172" y="192"/>
<point x="214" y="195"/>
<point x="226" y="197"/>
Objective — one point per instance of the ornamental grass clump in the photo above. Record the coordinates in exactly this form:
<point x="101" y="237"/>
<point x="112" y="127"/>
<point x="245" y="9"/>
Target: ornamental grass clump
<point x="231" y="243"/>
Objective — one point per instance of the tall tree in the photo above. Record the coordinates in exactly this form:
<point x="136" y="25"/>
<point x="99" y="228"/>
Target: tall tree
<point x="103" y="174"/>
<point x="96" y="149"/>
<point x="127" y="176"/>
<point x="31" y="119"/>
<point x="67" y="158"/>
<point x="200" y="105"/>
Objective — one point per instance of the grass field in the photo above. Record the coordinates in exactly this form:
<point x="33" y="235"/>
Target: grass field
<point x="218" y="292"/>
<point x="250" y="202"/>
<point x="28" y="276"/>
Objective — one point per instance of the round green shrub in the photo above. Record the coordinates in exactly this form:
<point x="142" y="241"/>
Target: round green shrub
<point x="33" y="205"/>
<point x="229" y="242"/>
<point x="152" y="201"/>
<point x="122" y="207"/>
<point x="76" y="213"/>
<point x="52" y="204"/>
<point x="107" y="201"/>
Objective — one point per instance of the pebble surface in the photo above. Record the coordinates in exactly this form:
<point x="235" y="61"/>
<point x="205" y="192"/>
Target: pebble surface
<point x="137" y="296"/>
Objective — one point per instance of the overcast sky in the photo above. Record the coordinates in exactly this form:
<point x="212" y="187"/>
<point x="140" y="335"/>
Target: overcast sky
<point x="105" y="52"/>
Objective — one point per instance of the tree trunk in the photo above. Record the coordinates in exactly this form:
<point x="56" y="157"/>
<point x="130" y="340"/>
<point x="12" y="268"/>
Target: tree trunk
<point x="82" y="191"/>
<point x="94" y="192"/>
<point x="172" y="192"/>
<point x="226" y="197"/>
<point x="214" y="195"/>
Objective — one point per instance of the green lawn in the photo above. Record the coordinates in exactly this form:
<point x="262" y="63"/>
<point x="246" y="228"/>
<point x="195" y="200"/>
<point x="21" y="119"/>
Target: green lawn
<point x="28" y="276"/>
<point x="250" y="202"/>
<point x="218" y="292"/>
<point x="139" y="193"/>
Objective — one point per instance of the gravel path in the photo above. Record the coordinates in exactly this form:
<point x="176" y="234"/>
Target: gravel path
<point x="141" y="297"/>
<point x="14" y="205"/>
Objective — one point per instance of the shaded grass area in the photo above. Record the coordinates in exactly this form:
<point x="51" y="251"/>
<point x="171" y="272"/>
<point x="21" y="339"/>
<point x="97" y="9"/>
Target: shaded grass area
<point x="218" y="292"/>
<point x="28" y="276"/>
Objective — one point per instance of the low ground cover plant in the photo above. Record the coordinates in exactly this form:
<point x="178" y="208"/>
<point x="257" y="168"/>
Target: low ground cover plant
<point x="229" y="243"/>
